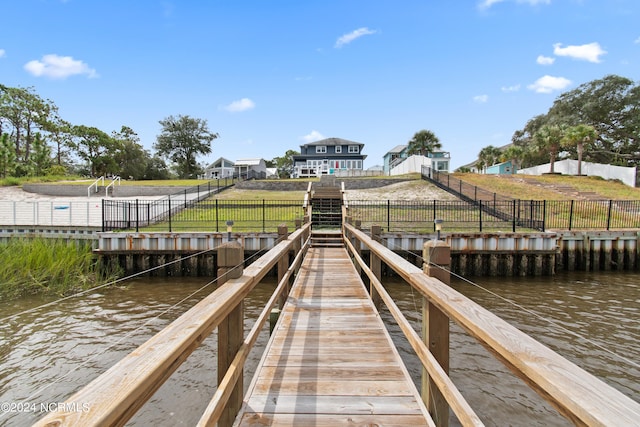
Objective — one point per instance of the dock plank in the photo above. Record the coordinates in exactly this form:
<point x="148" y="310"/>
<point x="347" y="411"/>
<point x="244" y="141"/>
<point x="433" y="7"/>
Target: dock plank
<point x="330" y="360"/>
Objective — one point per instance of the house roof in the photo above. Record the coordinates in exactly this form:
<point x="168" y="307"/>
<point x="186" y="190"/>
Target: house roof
<point x="248" y="162"/>
<point x="218" y="162"/>
<point x="332" y="141"/>
<point x="397" y="149"/>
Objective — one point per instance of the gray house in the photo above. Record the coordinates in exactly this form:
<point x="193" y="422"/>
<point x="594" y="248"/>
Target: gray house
<point x="327" y="156"/>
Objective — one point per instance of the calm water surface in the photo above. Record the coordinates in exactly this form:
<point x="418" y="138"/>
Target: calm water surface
<point x="47" y="355"/>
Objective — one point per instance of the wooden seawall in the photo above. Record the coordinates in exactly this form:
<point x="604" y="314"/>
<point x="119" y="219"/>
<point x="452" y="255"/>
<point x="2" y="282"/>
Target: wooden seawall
<point x="472" y="254"/>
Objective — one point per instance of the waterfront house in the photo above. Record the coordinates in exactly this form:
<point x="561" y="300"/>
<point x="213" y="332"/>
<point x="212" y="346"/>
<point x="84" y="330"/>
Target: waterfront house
<point x="398" y="161"/>
<point x="250" y="169"/>
<point x="327" y="157"/>
<point x="221" y="168"/>
<point x="504" y="168"/>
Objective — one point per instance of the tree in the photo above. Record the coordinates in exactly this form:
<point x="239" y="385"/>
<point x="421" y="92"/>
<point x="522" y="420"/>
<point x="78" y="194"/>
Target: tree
<point x="525" y="139"/>
<point x="7" y="156"/>
<point x="26" y="113"/>
<point x="130" y="157"/>
<point x="40" y="159"/>
<point x="423" y="143"/>
<point x="577" y="136"/>
<point x="489" y="155"/>
<point x="95" y="147"/>
<point x="549" y="139"/>
<point x="284" y="164"/>
<point x="181" y="140"/>
<point x="612" y="106"/>
<point x="156" y="169"/>
<point x="514" y="153"/>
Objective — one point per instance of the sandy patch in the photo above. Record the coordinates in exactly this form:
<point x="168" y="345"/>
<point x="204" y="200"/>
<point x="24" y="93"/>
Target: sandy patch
<point x="406" y="190"/>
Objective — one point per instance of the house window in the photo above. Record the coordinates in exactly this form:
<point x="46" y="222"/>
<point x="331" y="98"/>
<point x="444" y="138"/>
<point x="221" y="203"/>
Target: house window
<point x="353" y="149"/>
<point x="338" y="149"/>
<point x="321" y="149"/>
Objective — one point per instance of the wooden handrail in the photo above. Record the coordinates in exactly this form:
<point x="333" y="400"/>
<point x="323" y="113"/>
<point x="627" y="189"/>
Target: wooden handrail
<point x="116" y="395"/>
<point x="576" y="394"/>
<point x="220" y="398"/>
<point x="458" y="404"/>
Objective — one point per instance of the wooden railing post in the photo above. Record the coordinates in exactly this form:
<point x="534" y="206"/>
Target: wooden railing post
<point x="283" y="263"/>
<point x="435" y="328"/>
<point x="231" y="329"/>
<point x="375" y="264"/>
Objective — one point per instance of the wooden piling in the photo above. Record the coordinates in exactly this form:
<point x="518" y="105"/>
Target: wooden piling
<point x="435" y="328"/>
<point x="231" y="329"/>
<point x="375" y="264"/>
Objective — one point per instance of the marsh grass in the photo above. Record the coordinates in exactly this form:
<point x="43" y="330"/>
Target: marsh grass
<point x="47" y="266"/>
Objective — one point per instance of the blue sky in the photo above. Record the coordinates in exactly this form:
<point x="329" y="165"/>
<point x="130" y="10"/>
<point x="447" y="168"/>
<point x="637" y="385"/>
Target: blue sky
<point x="269" y="76"/>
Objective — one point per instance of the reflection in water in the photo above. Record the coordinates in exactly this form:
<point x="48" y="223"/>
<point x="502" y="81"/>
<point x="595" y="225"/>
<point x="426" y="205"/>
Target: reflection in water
<point x="47" y="355"/>
<point x="595" y="317"/>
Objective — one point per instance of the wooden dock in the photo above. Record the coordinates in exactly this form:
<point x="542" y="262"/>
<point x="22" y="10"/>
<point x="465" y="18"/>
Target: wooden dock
<point x="330" y="360"/>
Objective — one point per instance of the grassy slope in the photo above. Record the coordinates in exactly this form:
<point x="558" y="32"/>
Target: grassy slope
<point x="522" y="187"/>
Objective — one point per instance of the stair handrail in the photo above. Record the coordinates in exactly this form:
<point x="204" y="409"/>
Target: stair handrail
<point x="112" y="184"/>
<point x="95" y="184"/>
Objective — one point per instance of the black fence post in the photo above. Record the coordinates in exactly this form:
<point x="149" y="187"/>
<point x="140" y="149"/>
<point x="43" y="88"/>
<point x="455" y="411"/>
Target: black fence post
<point x="217" y="228"/>
<point x="609" y="215"/>
<point x="103" y="217"/>
<point x="137" y="218"/>
<point x="514" y="216"/>
<point x="170" y="214"/>
<point x="544" y="215"/>
<point x="571" y="214"/>
<point x="388" y="215"/>
<point x="264" y="219"/>
<point x="480" y="215"/>
<point x="434" y="214"/>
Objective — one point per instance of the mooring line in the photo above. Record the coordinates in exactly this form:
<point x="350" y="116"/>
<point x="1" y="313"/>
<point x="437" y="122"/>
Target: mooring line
<point x="526" y="310"/>
<point x="111" y="283"/>
<point x="127" y="335"/>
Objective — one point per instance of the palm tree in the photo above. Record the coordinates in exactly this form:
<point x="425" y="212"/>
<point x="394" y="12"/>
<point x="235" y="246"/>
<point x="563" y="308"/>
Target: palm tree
<point x="423" y="143"/>
<point x="489" y="155"/>
<point x="577" y="136"/>
<point x="515" y="153"/>
<point x="549" y="138"/>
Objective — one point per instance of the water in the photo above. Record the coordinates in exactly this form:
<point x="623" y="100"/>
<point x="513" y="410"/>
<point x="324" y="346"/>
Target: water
<point x="47" y="355"/>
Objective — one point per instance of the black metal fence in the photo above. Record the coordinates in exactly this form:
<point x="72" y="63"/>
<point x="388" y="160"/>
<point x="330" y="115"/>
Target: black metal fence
<point x="505" y="212"/>
<point x="201" y="215"/>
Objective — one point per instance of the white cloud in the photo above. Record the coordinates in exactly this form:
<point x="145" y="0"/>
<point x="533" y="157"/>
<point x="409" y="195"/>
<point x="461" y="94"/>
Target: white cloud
<point x="58" y="67"/>
<point x="513" y="88"/>
<point x="348" y="38"/>
<point x="481" y="99"/>
<point x="637" y="41"/>
<point x="548" y="84"/>
<point x="240" y="105"/>
<point x="313" y="136"/>
<point x="588" y="52"/>
<point x="3" y="53"/>
<point x="545" y="60"/>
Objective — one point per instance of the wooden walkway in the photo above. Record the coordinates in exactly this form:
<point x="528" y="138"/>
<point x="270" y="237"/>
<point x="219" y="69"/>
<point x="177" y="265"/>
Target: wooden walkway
<point x="330" y="360"/>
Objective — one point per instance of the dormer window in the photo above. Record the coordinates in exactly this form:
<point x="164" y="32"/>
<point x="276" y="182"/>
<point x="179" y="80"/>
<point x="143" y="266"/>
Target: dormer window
<point x="321" y="149"/>
<point x="338" y="149"/>
<point x="353" y="149"/>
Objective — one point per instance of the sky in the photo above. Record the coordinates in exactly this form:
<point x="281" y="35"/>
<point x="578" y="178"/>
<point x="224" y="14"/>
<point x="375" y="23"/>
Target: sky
<point x="269" y="76"/>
